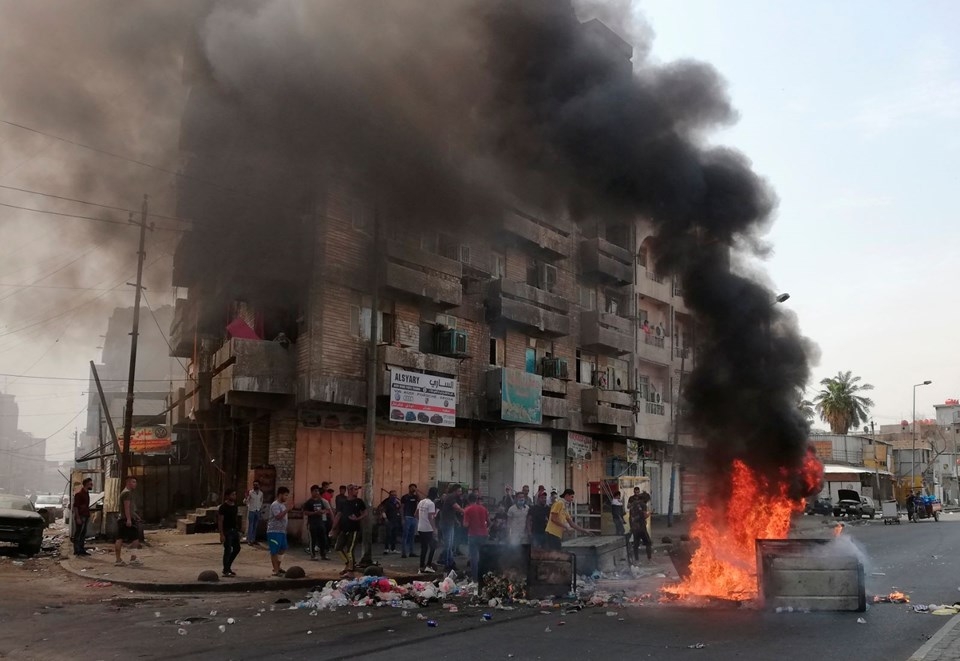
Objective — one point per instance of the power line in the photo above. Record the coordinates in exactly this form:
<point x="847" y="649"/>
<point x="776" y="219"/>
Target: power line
<point x="91" y="218"/>
<point x="84" y="379"/>
<point x="165" y="340"/>
<point x="94" y="204"/>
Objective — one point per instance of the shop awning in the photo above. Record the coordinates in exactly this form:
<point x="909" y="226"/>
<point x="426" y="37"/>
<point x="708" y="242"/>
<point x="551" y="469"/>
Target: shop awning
<point x="840" y="469"/>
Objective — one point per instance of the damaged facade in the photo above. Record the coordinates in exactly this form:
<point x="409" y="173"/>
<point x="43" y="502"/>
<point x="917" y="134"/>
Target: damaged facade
<point x="563" y="340"/>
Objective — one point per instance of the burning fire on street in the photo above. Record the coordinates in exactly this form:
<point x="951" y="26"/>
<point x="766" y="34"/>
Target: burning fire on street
<point x="724" y="565"/>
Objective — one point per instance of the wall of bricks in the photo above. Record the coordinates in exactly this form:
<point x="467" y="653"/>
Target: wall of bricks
<point x="283" y="445"/>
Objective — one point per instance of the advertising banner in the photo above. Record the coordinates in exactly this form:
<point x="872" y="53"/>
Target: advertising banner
<point x="521" y="394"/>
<point x="422" y="398"/>
<point x="150" y="440"/>
<point x="578" y="445"/>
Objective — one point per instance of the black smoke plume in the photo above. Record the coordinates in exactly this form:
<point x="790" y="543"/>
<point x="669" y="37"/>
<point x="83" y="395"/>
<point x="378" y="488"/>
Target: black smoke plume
<point x="448" y="112"/>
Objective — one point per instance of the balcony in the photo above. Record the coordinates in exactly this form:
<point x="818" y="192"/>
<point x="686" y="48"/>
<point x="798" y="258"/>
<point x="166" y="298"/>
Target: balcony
<point x="421" y="275"/>
<point x="654" y="421"/>
<point x="654" y="285"/>
<point x="183" y="329"/>
<point x="554" y="407"/>
<point x="606" y="261"/>
<point x="683" y="356"/>
<point x="653" y="348"/>
<point x="606" y="333"/>
<point x="531" y="309"/>
<point x="607" y="407"/>
<point x="552" y="238"/>
<point x="259" y="373"/>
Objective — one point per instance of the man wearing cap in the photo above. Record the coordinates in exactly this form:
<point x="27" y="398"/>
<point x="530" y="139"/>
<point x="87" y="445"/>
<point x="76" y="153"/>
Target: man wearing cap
<point x="346" y="527"/>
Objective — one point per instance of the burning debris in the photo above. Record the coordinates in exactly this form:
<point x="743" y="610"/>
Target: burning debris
<point x="724" y="565"/>
<point x="892" y="598"/>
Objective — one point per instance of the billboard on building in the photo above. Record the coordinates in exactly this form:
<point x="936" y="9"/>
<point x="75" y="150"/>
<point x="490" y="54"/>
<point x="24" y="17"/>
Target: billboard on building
<point x="422" y="398"/>
<point x="633" y="451"/>
<point x="150" y="440"/>
<point x="521" y="394"/>
<point x="578" y="445"/>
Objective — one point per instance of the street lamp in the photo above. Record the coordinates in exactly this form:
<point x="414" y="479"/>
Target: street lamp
<point x="913" y="457"/>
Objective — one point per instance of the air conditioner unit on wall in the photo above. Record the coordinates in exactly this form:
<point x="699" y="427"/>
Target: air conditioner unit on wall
<point x="547" y="277"/>
<point x="451" y="343"/>
<point x="554" y="368"/>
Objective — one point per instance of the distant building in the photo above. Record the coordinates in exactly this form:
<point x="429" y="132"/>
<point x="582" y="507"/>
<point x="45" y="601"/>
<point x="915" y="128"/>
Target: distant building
<point x="23" y="464"/>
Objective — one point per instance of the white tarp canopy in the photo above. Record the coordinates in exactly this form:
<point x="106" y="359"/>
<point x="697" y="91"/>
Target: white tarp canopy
<point x="835" y="469"/>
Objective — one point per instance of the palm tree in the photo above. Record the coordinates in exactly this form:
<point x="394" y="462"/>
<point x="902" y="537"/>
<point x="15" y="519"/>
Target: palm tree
<point x="805" y="406"/>
<point x="839" y="403"/>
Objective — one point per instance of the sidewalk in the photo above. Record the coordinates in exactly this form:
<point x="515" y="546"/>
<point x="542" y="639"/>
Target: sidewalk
<point x="944" y="645"/>
<point x="172" y="562"/>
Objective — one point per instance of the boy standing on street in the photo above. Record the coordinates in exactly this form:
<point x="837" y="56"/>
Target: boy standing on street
<point x="561" y="520"/>
<point x="408" y="502"/>
<point x="229" y="528"/>
<point x="277" y="530"/>
<point x="318" y="513"/>
<point x="350" y="514"/>
<point x="254" y="503"/>
<point x="127" y="530"/>
<point x="390" y="509"/>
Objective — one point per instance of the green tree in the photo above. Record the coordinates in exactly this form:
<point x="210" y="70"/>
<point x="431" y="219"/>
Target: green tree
<point x="839" y="403"/>
<point x="805" y="406"/>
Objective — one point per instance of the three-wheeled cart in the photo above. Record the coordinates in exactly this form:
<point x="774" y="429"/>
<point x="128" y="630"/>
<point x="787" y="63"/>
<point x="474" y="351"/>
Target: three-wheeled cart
<point x="928" y="507"/>
<point x="890" y="512"/>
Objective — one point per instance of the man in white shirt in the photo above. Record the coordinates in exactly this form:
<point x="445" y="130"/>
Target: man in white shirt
<point x="427" y="528"/>
<point x="254" y="503"/>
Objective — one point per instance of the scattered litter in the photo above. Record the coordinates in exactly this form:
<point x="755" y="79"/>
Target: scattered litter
<point x="222" y="628"/>
<point x="309" y="632"/>
<point x="156" y="613"/>
<point x="99" y="584"/>
<point x="892" y="598"/>
<point x="390" y="630"/>
<point x="213" y="613"/>
<point x="18" y="563"/>
<point x="878" y="573"/>
<point x="946" y="610"/>
<point x="230" y="620"/>
<point x="256" y="614"/>
<point x="432" y="623"/>
<point x="860" y="620"/>
<point x="611" y="613"/>
<point x="697" y="646"/>
<point x="547" y="630"/>
<point x="182" y="631"/>
<point x="487" y="617"/>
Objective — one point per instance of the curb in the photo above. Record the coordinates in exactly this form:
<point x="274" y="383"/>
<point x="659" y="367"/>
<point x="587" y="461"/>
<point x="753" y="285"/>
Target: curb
<point x="935" y="639"/>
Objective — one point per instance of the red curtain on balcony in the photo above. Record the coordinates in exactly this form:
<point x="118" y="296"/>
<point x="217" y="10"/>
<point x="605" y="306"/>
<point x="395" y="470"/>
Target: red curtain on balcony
<point x="240" y="329"/>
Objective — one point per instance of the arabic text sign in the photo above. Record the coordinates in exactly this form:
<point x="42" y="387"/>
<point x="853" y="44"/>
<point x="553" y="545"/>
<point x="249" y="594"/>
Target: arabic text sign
<point x="150" y="440"/>
<point x="422" y="398"/>
<point x="578" y="445"/>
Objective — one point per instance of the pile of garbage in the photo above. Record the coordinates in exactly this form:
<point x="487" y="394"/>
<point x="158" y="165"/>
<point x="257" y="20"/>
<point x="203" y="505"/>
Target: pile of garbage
<point x="937" y="609"/>
<point x="381" y="591"/>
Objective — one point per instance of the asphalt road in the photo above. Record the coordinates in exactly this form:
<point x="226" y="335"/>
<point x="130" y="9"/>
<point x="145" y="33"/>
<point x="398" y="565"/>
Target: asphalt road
<point x="915" y="558"/>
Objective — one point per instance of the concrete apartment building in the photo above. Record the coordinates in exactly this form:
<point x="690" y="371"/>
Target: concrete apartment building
<point x="555" y="344"/>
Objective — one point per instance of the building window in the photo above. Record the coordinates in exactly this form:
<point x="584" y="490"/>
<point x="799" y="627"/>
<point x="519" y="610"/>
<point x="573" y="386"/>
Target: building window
<point x="361" y="216"/>
<point x="499" y="266"/>
<point x="586" y="366"/>
<point x="360" y="321"/>
<point x="587" y="297"/>
<point x="496" y="351"/>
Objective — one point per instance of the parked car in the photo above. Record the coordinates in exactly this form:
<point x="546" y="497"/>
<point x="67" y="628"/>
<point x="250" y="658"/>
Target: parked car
<point x="852" y="504"/>
<point x="21" y="524"/>
<point x="819" y="506"/>
<point x="50" y="507"/>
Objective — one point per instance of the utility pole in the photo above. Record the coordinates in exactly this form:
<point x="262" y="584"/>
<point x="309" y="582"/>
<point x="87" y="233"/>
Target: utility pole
<point x="676" y="439"/>
<point x="106" y="409"/>
<point x="128" y="410"/>
<point x="370" y="442"/>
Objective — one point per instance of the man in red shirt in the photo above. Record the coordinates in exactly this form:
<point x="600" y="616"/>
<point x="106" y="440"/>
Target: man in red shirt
<point x="477" y="523"/>
<point x="81" y="516"/>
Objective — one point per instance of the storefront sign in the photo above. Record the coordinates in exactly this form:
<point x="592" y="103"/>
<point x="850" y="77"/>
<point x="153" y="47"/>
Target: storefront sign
<point x="578" y="445"/>
<point x="521" y="394"/>
<point x="422" y="399"/>
<point x="150" y="440"/>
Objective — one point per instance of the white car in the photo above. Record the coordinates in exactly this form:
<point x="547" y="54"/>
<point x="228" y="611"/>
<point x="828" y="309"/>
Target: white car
<point x="50" y="507"/>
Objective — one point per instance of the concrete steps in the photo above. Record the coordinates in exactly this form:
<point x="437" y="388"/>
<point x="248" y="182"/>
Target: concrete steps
<point x="203" y="519"/>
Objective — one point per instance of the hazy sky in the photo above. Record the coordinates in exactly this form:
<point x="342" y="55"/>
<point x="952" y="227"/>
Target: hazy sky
<point x="850" y="109"/>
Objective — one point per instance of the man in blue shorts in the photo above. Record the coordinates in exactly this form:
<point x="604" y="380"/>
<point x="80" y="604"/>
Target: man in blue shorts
<point x="277" y="529"/>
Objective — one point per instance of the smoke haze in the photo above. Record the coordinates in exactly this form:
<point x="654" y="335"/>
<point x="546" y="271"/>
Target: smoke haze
<point x="447" y="112"/>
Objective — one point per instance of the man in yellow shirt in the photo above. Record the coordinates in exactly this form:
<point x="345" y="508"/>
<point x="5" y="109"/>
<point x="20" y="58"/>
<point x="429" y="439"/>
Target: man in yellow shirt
<point x="561" y="520"/>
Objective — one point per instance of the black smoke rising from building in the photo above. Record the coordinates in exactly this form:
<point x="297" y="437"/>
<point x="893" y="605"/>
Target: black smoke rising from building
<point x="448" y="112"/>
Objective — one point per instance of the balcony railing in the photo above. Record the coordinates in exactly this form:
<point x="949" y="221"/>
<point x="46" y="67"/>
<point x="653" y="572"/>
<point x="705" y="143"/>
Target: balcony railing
<point x="677" y="289"/>
<point x="681" y="352"/>
<point x="653" y="340"/>
<point x="656" y="277"/>
<point x="655" y="409"/>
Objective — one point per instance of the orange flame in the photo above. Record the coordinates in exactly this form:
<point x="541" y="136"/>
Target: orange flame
<point x="837" y="530"/>
<point x="725" y="563"/>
